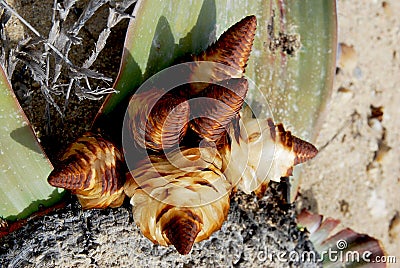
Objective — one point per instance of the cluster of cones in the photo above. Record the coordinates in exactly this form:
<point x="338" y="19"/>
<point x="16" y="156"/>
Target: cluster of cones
<point x="199" y="148"/>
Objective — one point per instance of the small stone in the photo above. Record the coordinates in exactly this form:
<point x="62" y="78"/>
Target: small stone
<point x="394" y="227"/>
<point x="347" y="58"/>
<point x="346" y="94"/>
<point x="383" y="149"/>
<point x="344" y="90"/>
<point x="377" y="205"/>
<point x="387" y="8"/>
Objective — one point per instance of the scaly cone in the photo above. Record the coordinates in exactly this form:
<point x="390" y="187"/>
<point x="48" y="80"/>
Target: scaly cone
<point x="91" y="168"/>
<point x="180" y="198"/>
<point x="157" y="119"/>
<point x="263" y="152"/>
<point x="214" y="108"/>
<point x="230" y="53"/>
<point x="182" y="230"/>
<point x="303" y="150"/>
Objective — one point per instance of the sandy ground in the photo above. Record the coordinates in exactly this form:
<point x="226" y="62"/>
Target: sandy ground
<point x="355" y="178"/>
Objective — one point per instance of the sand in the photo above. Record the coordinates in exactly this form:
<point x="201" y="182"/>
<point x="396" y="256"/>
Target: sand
<point x="348" y="180"/>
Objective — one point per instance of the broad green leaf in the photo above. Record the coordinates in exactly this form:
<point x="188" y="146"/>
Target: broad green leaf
<point x="297" y="87"/>
<point x="23" y="165"/>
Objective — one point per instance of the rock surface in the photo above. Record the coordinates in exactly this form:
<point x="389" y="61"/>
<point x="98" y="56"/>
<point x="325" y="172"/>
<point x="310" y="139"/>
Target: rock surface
<point x="255" y="232"/>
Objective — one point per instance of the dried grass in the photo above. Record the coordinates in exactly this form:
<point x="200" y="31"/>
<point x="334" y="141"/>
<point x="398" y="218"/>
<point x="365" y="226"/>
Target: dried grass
<point x="48" y="59"/>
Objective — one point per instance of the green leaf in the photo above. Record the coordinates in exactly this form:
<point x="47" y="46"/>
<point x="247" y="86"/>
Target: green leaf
<point x="23" y="165"/>
<point x="297" y="86"/>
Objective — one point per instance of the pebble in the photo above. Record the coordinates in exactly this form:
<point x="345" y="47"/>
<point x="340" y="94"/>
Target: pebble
<point x="394" y="227"/>
<point x="377" y="205"/>
<point x="387" y="8"/>
<point x="347" y="58"/>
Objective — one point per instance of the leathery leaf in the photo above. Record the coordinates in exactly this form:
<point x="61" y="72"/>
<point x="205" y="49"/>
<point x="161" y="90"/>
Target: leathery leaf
<point x="292" y="62"/>
<point x="24" y="166"/>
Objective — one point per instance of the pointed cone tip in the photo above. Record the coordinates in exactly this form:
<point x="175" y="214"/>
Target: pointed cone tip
<point x="304" y="150"/>
<point x="182" y="233"/>
<point x="58" y="178"/>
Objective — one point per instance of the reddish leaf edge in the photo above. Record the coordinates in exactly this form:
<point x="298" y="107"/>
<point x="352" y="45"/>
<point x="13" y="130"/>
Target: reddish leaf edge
<point x="346" y="243"/>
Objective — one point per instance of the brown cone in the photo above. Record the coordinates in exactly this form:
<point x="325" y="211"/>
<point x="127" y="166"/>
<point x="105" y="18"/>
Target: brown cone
<point x="234" y="46"/>
<point x="182" y="232"/>
<point x="91" y="168"/>
<point x="158" y="120"/>
<point x="303" y="150"/>
<point x="231" y="51"/>
<point x="217" y="106"/>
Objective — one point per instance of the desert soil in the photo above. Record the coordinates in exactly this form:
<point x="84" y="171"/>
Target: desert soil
<point x="356" y="175"/>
